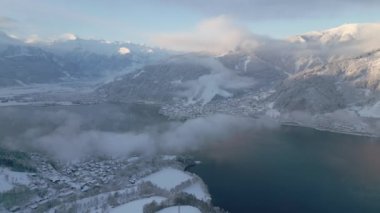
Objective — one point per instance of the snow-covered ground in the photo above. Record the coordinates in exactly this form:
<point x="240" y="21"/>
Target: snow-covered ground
<point x="199" y="191"/>
<point x="183" y="209"/>
<point x="371" y="111"/>
<point x="4" y="184"/>
<point x="37" y="103"/>
<point x="136" y="206"/>
<point x="46" y="94"/>
<point x="169" y="157"/>
<point x="8" y="179"/>
<point x="168" y="178"/>
<point x="47" y="88"/>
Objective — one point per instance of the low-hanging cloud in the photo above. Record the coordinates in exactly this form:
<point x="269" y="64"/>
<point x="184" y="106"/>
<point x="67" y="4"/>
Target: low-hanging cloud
<point x="64" y="135"/>
<point x="222" y="34"/>
<point x="215" y="35"/>
<point x="275" y="9"/>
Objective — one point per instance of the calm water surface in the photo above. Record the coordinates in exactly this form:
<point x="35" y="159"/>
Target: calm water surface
<point x="294" y="170"/>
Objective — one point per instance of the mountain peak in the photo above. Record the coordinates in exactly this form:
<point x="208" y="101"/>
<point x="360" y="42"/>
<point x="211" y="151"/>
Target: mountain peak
<point x="340" y="34"/>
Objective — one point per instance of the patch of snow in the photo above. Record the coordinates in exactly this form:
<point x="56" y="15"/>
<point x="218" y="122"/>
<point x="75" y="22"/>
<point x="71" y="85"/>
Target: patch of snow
<point x="204" y="89"/>
<point x="88" y="201"/>
<point x="177" y="82"/>
<point x="8" y="179"/>
<point x="371" y="111"/>
<point x="182" y="209"/>
<point x="136" y="206"/>
<point x="246" y="62"/>
<point x="124" y="51"/>
<point x="133" y="159"/>
<point x="169" y="157"/>
<point x="4" y="184"/>
<point x="138" y="74"/>
<point x="36" y="103"/>
<point x="220" y="82"/>
<point x="47" y="88"/>
<point x="199" y="191"/>
<point x="167" y="178"/>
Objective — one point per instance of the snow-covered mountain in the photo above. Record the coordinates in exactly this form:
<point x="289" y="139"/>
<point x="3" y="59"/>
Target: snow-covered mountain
<point x="317" y="73"/>
<point x="189" y="78"/>
<point x="272" y="65"/>
<point x="340" y="84"/>
<point x="69" y="59"/>
<point x="322" y="47"/>
<point x="343" y="34"/>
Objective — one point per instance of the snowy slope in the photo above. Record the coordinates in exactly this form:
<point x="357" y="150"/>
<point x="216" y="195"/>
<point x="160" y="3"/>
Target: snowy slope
<point x="182" y="209"/>
<point x="168" y="178"/>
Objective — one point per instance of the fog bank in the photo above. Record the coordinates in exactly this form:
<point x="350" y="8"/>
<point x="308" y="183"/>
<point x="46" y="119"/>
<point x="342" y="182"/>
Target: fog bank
<point x="67" y="135"/>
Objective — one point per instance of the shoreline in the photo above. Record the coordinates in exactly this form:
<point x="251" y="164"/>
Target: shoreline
<point x="296" y="124"/>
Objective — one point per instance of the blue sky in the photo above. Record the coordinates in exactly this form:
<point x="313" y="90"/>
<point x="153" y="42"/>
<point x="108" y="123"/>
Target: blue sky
<point x="140" y="20"/>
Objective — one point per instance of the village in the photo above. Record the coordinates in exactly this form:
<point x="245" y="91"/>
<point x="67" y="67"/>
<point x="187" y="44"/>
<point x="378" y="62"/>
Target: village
<point x="105" y="185"/>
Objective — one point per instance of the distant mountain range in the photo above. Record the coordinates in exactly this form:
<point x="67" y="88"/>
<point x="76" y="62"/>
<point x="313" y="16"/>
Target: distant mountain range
<point x="23" y="63"/>
<point x="308" y="79"/>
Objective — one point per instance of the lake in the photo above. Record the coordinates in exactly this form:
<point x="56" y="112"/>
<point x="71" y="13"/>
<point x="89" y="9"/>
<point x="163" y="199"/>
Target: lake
<point x="293" y="169"/>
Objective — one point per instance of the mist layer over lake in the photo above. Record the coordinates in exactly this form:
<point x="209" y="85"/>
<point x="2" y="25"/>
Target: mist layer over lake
<point x="249" y="165"/>
<point x="294" y="169"/>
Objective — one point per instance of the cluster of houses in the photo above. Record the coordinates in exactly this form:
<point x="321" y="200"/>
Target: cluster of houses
<point x="250" y="104"/>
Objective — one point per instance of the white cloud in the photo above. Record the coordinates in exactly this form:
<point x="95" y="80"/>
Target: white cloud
<point x="38" y="39"/>
<point x="68" y="37"/>
<point x="124" y="51"/>
<point x="33" y="39"/>
<point x="216" y="35"/>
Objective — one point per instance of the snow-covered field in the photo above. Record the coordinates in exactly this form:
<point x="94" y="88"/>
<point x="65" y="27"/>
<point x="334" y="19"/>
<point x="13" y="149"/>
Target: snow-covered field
<point x="137" y="205"/>
<point x="168" y="178"/>
<point x="45" y="94"/>
<point x="39" y="103"/>
<point x="47" y="88"/>
<point x="198" y="190"/>
<point x="8" y="179"/>
<point x="182" y="209"/>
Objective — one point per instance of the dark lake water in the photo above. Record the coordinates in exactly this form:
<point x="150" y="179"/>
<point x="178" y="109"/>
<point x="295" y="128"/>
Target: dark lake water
<point x="294" y="169"/>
